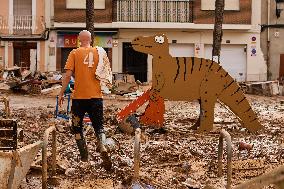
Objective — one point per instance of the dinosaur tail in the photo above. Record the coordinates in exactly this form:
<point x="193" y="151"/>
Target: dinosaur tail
<point x="235" y="99"/>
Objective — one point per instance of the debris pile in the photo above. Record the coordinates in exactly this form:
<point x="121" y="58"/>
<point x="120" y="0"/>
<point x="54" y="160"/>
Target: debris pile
<point x="265" y="88"/>
<point x="126" y="86"/>
<point x="24" y="81"/>
<point x="50" y="83"/>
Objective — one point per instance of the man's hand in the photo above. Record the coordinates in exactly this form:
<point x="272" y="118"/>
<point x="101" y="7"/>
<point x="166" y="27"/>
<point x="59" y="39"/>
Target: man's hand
<point x="65" y="83"/>
<point x="60" y="100"/>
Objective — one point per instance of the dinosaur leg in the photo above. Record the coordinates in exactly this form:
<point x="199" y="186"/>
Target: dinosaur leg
<point x="207" y="114"/>
<point x="197" y="123"/>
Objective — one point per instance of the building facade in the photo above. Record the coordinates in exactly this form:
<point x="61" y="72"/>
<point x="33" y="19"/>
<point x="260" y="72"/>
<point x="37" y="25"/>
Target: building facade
<point x="191" y="34"/>
<point x="69" y="20"/>
<point x="188" y="24"/>
<point x="272" y="37"/>
<point x="23" y="34"/>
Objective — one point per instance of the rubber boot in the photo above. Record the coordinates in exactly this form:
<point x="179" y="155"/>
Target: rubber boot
<point x="83" y="149"/>
<point x="107" y="164"/>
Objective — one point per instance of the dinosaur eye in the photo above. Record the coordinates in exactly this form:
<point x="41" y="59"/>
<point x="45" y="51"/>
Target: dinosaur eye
<point x="160" y="39"/>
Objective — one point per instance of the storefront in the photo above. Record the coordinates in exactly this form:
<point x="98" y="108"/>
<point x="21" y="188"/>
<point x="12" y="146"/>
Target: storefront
<point x="67" y="41"/>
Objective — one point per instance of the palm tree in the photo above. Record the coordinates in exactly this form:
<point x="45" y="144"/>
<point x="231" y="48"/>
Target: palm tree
<point x="90" y="18"/>
<point x="218" y="33"/>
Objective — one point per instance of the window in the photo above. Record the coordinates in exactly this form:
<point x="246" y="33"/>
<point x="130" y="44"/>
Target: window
<point x="229" y="5"/>
<point x="21" y="7"/>
<point x="81" y="4"/>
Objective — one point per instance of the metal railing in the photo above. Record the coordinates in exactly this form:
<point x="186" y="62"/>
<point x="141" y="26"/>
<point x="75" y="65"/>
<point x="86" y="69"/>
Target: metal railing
<point x="44" y="155"/>
<point x="227" y="136"/>
<point x="154" y="11"/>
<point x="21" y="24"/>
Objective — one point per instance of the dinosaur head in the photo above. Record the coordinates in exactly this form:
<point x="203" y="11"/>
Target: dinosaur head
<point x="157" y="44"/>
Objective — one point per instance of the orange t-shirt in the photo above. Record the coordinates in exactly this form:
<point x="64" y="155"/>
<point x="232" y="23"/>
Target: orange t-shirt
<point x="83" y="61"/>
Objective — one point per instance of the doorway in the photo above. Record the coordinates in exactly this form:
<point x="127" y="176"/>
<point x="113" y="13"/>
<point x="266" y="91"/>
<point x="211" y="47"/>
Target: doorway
<point x="134" y="63"/>
<point x="24" y="54"/>
<point x="64" y="56"/>
<point x="281" y="68"/>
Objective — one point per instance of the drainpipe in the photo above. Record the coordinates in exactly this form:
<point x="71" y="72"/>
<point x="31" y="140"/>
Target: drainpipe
<point x="268" y="41"/>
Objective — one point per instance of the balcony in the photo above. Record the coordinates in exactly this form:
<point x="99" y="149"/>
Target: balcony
<point x="21" y="25"/>
<point x="173" y="11"/>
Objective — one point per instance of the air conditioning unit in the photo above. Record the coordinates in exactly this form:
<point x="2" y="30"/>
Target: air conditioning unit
<point x="2" y="43"/>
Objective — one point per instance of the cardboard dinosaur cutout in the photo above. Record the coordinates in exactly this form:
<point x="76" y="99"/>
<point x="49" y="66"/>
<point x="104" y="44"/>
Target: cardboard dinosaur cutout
<point x="188" y="79"/>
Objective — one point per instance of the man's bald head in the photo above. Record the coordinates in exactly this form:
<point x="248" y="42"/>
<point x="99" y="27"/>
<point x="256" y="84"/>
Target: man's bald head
<point x="85" y="38"/>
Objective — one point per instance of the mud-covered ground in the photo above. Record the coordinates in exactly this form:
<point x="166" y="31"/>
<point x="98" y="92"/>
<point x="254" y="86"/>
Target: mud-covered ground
<point x="174" y="157"/>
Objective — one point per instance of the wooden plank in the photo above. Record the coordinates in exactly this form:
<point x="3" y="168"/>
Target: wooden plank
<point x="8" y="130"/>
<point x="8" y="143"/>
<point x="9" y="133"/>
<point x="7" y="123"/>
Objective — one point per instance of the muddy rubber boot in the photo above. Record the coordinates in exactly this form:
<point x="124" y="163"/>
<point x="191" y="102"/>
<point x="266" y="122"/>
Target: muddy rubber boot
<point x="101" y="148"/>
<point x="81" y="143"/>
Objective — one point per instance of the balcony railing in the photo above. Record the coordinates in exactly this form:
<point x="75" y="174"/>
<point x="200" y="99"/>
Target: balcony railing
<point x="21" y="24"/>
<point x="154" y="11"/>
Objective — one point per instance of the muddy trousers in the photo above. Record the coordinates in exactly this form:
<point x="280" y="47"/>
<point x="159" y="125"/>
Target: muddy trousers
<point x="94" y="108"/>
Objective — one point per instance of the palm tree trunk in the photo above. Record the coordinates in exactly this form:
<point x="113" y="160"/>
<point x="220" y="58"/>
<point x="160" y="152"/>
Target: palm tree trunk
<point x="90" y="18"/>
<point x="218" y="33"/>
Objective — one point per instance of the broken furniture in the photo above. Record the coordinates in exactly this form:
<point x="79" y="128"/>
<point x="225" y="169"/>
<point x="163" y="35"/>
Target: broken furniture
<point x="267" y="88"/>
<point x="6" y="103"/>
<point x="14" y="163"/>
<point x="124" y="84"/>
<point x="31" y="83"/>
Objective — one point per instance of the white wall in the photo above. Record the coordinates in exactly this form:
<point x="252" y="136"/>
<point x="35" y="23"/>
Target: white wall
<point x="256" y="66"/>
<point x="51" y="43"/>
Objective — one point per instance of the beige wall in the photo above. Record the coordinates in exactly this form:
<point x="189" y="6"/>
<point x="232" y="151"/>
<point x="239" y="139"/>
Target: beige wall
<point x="42" y="57"/>
<point x="263" y="36"/>
<point x="276" y="48"/>
<point x="40" y="8"/>
<point x="40" y="14"/>
<point x="2" y="53"/>
<point x="229" y="5"/>
<point x="10" y="55"/>
<point x="4" y="7"/>
<point x="276" y="45"/>
<point x="5" y="13"/>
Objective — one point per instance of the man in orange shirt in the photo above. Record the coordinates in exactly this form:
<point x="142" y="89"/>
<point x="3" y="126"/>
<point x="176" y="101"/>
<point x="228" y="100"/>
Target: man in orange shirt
<point x="87" y="96"/>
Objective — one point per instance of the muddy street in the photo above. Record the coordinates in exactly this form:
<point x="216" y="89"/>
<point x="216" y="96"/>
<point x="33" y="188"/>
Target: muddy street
<point x="173" y="157"/>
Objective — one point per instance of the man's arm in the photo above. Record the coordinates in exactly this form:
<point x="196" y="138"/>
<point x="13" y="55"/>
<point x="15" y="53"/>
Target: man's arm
<point x="65" y="83"/>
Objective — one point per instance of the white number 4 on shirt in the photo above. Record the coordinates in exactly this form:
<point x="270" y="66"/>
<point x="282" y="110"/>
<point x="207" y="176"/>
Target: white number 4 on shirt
<point x="89" y="59"/>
